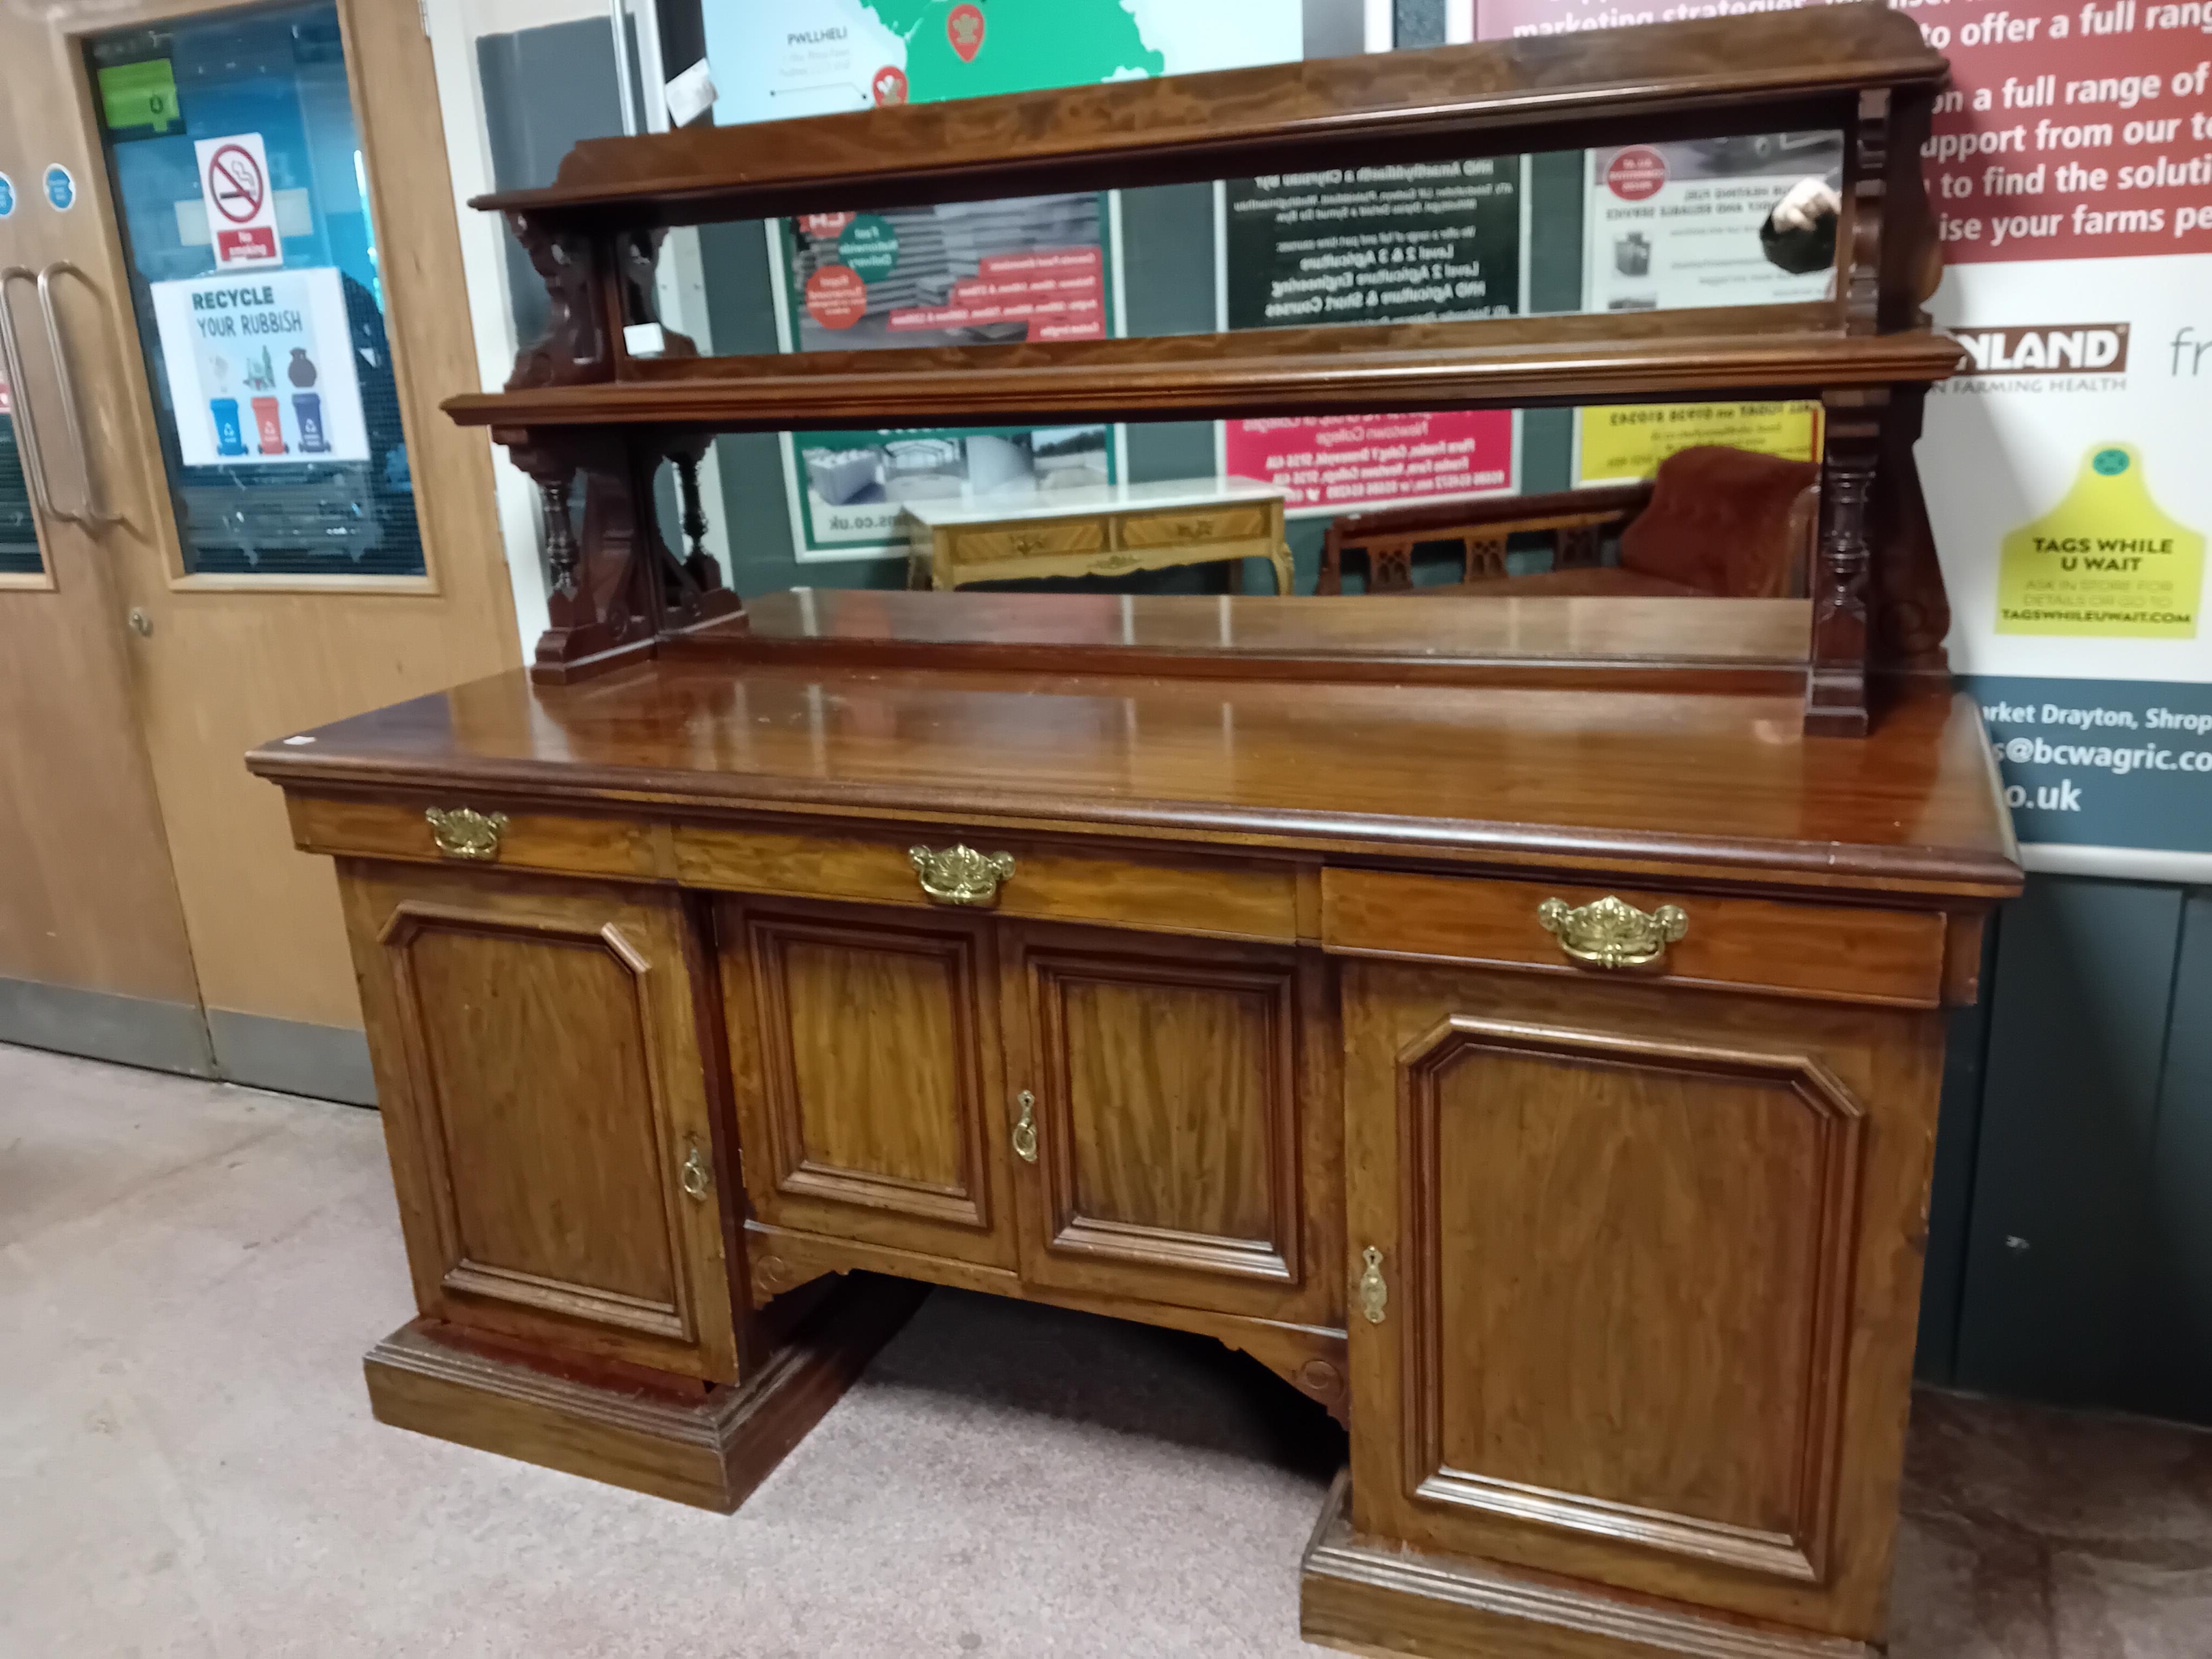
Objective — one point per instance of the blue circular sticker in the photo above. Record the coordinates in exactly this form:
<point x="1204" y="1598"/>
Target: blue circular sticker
<point x="61" y="189"/>
<point x="6" y="196"/>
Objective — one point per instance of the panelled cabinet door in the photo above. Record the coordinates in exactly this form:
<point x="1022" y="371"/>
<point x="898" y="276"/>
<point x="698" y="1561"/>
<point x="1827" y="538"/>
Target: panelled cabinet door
<point x="1168" y="1089"/>
<point x="865" y="1050"/>
<point x="537" y="1060"/>
<point x="1633" y="1276"/>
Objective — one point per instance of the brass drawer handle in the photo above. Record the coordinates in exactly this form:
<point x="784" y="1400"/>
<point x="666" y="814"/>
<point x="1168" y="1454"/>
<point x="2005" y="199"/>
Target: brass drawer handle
<point x="694" y="1174"/>
<point x="1610" y="934"/>
<point x="461" y="833"/>
<point x="1030" y="544"/>
<point x="1025" y="1128"/>
<point x="961" y="875"/>
<point x="1374" y="1294"/>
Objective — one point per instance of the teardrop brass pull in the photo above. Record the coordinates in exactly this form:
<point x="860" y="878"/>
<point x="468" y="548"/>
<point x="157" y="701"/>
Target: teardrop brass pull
<point x="961" y="875"/>
<point x="1611" y="932"/>
<point x="695" y="1175"/>
<point x="1025" y="1128"/>
<point x="1374" y="1294"/>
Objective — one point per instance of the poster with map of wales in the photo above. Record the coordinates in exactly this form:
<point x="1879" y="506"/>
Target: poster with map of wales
<point x="1036" y="267"/>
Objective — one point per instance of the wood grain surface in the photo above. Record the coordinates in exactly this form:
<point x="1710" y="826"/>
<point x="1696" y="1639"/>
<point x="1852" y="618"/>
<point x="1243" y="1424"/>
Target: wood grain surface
<point x="864" y="1048"/>
<point x="1846" y="952"/>
<point x="1706" y="788"/>
<point x="1342" y="370"/>
<point x="1693" y="1381"/>
<point x="538" y="1064"/>
<point x="1171" y="1119"/>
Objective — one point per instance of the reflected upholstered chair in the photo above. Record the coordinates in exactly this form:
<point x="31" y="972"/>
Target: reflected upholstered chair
<point x="1714" y="523"/>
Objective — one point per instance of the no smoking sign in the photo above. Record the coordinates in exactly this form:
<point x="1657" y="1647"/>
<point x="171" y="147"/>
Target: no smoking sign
<point x="241" y="208"/>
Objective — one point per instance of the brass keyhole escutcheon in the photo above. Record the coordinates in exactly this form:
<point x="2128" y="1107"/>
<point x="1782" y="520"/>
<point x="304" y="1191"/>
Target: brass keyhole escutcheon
<point x="1374" y="1294"/>
<point x="1025" y="1128"/>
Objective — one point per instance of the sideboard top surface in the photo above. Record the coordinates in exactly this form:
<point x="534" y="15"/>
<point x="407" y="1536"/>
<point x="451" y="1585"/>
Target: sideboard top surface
<point x="1724" y="784"/>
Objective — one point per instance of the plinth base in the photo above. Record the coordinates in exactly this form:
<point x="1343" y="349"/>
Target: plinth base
<point x="710" y="1451"/>
<point x="1362" y="1596"/>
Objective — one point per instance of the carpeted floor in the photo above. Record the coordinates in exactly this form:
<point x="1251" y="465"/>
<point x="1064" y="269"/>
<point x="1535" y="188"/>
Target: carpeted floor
<point x="189" y="1274"/>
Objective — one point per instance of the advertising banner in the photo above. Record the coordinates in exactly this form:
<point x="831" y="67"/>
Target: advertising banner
<point x="261" y="368"/>
<point x="959" y="273"/>
<point x="774" y="59"/>
<point x="1042" y="268"/>
<point x="2070" y="169"/>
<point x="1341" y="462"/>
<point x="1620" y="443"/>
<point x="1393" y="244"/>
<point x="2071" y="166"/>
<point x="1666" y="225"/>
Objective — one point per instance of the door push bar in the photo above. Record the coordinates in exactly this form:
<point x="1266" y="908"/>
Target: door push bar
<point x="91" y="514"/>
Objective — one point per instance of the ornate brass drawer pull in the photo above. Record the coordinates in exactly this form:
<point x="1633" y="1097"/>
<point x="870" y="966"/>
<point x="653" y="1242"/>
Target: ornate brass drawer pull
<point x="1025" y="544"/>
<point x="961" y="875"/>
<point x="1025" y="1128"/>
<point x="1374" y="1294"/>
<point x="461" y="833"/>
<point x="695" y="1175"/>
<point x="1611" y="934"/>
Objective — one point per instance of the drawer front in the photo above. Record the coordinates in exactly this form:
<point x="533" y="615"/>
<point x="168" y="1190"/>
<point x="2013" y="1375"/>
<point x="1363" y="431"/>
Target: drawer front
<point x="1188" y="528"/>
<point x="1042" y="539"/>
<point x="1187" y="896"/>
<point x="527" y="841"/>
<point x="1809" y="949"/>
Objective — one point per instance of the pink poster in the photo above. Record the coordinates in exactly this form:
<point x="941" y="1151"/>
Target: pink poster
<point x="1339" y="463"/>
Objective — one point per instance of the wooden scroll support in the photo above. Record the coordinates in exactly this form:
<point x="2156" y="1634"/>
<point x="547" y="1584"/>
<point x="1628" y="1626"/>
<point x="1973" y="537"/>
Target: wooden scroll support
<point x="574" y="350"/>
<point x="1877" y="592"/>
<point x="1835" y="691"/>
<point x="620" y="587"/>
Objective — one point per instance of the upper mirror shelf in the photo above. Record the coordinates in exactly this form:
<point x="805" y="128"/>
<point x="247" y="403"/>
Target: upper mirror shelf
<point x="1350" y="370"/>
<point x="1772" y="71"/>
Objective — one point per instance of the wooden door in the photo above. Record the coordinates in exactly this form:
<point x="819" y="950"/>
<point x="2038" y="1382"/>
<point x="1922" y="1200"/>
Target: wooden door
<point x="323" y="566"/>
<point x="1635" y="1274"/>
<point x="865" y="1054"/>
<point x="545" y="1105"/>
<point x="1182" y="1139"/>
<point x="93" y="951"/>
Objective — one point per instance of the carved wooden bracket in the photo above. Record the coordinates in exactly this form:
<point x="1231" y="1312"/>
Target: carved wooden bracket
<point x="596" y="287"/>
<point x="619" y="587"/>
<point x="574" y="350"/>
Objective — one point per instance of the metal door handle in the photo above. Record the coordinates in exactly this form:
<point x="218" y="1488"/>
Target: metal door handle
<point x="94" y="514"/>
<point x="26" y="430"/>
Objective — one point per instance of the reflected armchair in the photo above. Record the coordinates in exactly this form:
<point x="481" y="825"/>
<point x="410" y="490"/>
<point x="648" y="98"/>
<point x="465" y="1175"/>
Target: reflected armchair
<point x="1715" y="522"/>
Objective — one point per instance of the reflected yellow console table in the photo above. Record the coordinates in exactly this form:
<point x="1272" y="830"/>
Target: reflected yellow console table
<point x="1108" y="530"/>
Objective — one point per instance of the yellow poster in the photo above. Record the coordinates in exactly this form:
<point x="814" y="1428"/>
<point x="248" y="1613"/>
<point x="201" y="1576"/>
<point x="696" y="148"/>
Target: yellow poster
<point x="1625" y="441"/>
<point x="2106" y="561"/>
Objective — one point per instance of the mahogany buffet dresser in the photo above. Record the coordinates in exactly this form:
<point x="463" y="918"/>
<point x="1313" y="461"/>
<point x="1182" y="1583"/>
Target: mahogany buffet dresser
<point x="1516" y="1022"/>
